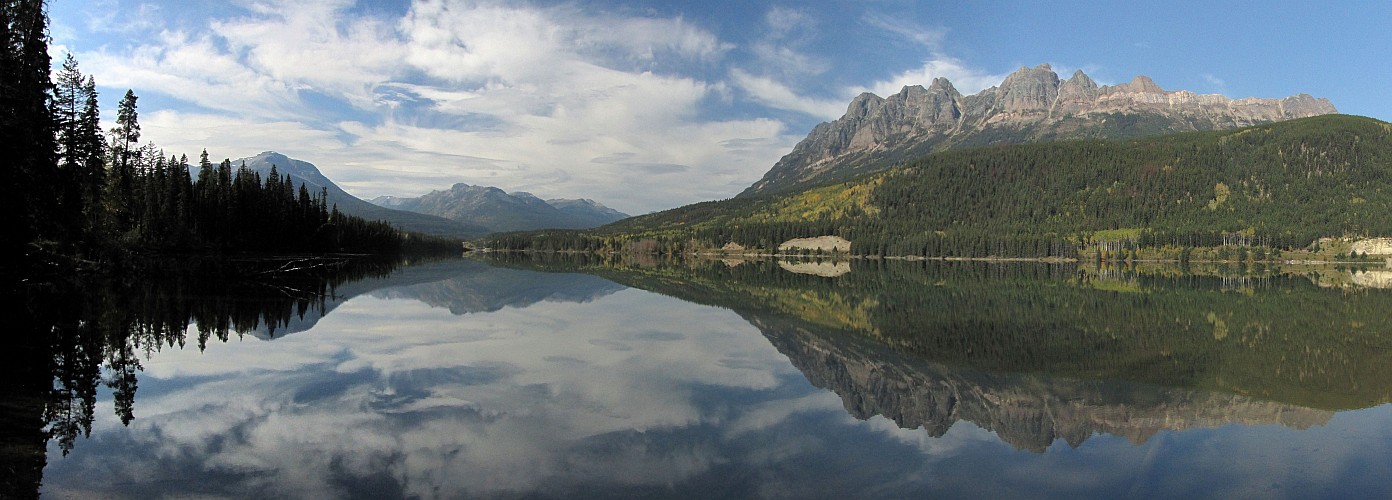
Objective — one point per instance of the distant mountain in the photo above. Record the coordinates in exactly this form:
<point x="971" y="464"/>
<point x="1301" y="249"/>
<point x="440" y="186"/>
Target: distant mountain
<point x="590" y="212"/>
<point x="1031" y="105"/>
<point x="500" y="211"/>
<point x="303" y="171"/>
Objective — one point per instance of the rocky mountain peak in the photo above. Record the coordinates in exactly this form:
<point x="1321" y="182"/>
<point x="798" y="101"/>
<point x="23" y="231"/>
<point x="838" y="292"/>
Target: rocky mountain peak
<point x="1078" y="91"/>
<point x="1030" y="104"/>
<point x="910" y="92"/>
<point x="1141" y="84"/>
<point x="864" y="104"/>
<point x="1029" y="90"/>
<point x="1079" y="80"/>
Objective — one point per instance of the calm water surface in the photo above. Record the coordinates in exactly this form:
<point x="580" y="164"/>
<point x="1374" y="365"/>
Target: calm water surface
<point x="754" y="379"/>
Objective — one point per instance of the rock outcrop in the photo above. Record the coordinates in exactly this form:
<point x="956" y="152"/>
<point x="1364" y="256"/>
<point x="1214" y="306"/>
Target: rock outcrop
<point x="1032" y="104"/>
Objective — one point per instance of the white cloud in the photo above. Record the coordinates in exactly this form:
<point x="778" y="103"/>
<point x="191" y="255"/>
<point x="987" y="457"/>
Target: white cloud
<point x="913" y="32"/>
<point x="777" y="95"/>
<point x="451" y="405"/>
<point x="550" y="156"/>
<point x="230" y="137"/>
<point x="522" y="97"/>
<point x="313" y="44"/>
<point x="517" y="96"/>
<point x="780" y="58"/>
<point x="109" y="16"/>
<point x="194" y="70"/>
<point x="782" y="50"/>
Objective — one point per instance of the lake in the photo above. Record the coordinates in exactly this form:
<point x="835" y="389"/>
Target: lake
<point x="603" y="378"/>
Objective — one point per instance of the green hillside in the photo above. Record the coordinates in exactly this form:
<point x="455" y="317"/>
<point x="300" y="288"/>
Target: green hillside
<point x="1282" y="185"/>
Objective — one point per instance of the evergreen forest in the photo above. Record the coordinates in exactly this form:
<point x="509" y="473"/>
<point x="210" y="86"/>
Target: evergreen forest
<point x="79" y="197"/>
<point x="1280" y="186"/>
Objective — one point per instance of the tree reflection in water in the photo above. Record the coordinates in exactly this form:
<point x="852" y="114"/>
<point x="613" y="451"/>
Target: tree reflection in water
<point x="69" y="339"/>
<point x="1033" y="353"/>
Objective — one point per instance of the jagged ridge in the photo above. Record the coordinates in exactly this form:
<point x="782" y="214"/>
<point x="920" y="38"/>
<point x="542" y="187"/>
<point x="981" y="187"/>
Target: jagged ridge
<point x="1032" y="104"/>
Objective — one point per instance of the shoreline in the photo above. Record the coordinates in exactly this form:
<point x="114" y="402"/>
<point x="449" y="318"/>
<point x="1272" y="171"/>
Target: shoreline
<point x="919" y="258"/>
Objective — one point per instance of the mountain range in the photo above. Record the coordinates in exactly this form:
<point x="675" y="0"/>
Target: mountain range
<point x="500" y="211"/>
<point x="462" y="211"/>
<point x="305" y="172"/>
<point x="1030" y="105"/>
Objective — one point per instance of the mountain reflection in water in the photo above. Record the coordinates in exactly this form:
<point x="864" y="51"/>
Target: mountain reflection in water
<point x="1038" y="352"/>
<point x="549" y="377"/>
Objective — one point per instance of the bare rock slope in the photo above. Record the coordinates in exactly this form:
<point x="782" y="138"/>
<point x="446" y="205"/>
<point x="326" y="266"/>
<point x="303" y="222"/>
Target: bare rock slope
<point x="1032" y="104"/>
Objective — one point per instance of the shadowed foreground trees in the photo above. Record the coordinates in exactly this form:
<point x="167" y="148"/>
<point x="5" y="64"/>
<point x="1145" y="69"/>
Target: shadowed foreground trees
<point x="74" y="198"/>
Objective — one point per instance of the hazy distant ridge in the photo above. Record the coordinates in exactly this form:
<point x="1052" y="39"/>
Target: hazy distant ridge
<point x="500" y="211"/>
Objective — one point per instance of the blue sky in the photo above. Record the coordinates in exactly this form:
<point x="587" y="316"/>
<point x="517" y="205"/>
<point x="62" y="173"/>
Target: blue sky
<point x="648" y="105"/>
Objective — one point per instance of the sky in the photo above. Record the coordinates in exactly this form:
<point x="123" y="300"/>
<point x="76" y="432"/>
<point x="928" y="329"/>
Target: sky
<point x="648" y="105"/>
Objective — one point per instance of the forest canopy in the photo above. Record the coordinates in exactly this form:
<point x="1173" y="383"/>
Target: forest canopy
<point x="1279" y="186"/>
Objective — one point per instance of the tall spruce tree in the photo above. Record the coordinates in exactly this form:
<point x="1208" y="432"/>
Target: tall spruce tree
<point x="26" y="126"/>
<point x="91" y="176"/>
<point x="69" y="102"/>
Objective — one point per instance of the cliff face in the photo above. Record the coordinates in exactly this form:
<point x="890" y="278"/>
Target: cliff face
<point x="1032" y="104"/>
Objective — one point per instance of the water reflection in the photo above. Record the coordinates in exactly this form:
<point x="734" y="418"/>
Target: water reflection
<point x="1028" y="411"/>
<point x="1277" y="337"/>
<point x="461" y="379"/>
<point x="403" y="399"/>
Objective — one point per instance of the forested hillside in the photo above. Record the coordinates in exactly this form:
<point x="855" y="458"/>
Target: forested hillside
<point x="1281" y="185"/>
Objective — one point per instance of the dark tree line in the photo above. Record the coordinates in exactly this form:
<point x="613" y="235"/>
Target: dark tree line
<point x="73" y="195"/>
<point x="27" y="143"/>
<point x="137" y="198"/>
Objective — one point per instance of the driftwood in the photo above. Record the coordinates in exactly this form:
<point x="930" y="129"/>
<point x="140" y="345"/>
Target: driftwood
<point x="304" y="264"/>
